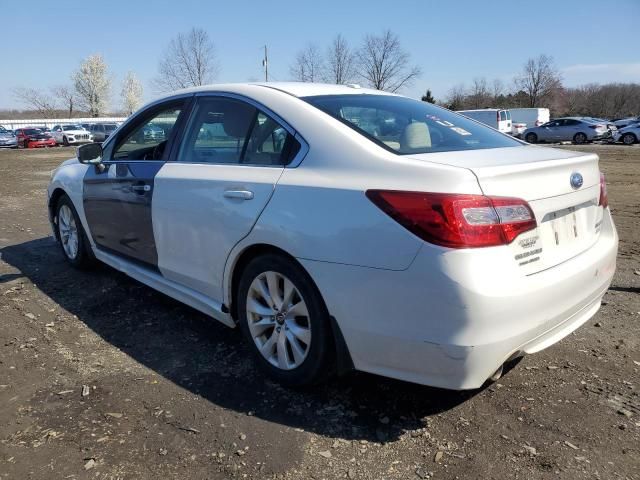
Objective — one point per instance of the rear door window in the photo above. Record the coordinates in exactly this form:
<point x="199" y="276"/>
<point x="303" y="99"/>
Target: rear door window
<point x="229" y="131"/>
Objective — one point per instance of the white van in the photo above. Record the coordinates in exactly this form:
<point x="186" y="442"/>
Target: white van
<point x="533" y="117"/>
<point x="494" y="117"/>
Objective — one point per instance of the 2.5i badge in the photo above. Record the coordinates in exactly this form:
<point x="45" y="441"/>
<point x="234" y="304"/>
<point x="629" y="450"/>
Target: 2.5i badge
<point x="528" y="242"/>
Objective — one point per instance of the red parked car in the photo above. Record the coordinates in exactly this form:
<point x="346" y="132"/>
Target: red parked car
<point x="33" y="138"/>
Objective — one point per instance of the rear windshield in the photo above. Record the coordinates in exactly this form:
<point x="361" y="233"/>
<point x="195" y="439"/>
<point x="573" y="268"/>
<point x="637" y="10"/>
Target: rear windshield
<point x="407" y="126"/>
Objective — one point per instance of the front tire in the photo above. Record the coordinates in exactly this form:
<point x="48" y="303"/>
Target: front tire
<point x="629" y="139"/>
<point x="65" y="141"/>
<point x="579" y="138"/>
<point x="285" y="321"/>
<point x="71" y="236"/>
<point x="531" y="138"/>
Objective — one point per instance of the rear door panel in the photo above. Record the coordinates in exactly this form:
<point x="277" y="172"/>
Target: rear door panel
<point x="198" y="220"/>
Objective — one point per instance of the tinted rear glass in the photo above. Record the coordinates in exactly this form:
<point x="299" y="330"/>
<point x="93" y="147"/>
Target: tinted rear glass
<point x="407" y="126"/>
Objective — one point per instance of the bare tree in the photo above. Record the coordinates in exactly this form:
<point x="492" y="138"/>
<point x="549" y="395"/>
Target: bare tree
<point x="308" y="65"/>
<point x="93" y="85"/>
<point x="539" y="79"/>
<point x="341" y="62"/>
<point x="66" y="95"/>
<point x="131" y="93"/>
<point x="479" y="96"/>
<point x="37" y="100"/>
<point x="456" y="97"/>
<point x="384" y="64"/>
<point x="497" y="92"/>
<point x="189" y="61"/>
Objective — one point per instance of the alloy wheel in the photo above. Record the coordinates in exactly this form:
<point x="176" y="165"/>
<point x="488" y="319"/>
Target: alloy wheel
<point x="628" y="139"/>
<point x="580" y="138"/>
<point x="68" y="232"/>
<point x="278" y="320"/>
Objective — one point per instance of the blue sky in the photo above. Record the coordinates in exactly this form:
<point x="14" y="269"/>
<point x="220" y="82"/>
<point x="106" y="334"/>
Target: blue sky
<point x="453" y="42"/>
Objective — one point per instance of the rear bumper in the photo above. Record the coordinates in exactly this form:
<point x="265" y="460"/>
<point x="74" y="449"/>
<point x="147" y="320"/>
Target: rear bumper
<point x="454" y="317"/>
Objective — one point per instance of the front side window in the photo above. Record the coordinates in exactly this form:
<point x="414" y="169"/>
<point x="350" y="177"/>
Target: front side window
<point x="229" y="131"/>
<point x="405" y="126"/>
<point x="147" y="138"/>
<point x="503" y="116"/>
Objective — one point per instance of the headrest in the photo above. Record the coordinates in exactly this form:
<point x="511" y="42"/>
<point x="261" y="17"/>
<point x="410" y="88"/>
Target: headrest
<point x="236" y="121"/>
<point x="415" y="136"/>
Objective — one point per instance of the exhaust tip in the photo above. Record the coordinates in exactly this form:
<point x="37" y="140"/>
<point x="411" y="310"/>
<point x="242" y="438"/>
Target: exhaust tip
<point x="497" y="374"/>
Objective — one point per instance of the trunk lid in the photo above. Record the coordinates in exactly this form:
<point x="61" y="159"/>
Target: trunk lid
<point x="568" y="218"/>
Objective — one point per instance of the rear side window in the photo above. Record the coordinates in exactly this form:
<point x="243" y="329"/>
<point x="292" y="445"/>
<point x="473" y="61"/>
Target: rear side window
<point x="407" y="126"/>
<point x="228" y="131"/>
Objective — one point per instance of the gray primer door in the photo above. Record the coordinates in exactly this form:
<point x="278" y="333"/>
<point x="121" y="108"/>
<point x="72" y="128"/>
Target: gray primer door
<point x="117" y="205"/>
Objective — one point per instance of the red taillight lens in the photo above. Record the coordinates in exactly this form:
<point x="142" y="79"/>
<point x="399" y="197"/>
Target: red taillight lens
<point x="604" y="197"/>
<point x="457" y="220"/>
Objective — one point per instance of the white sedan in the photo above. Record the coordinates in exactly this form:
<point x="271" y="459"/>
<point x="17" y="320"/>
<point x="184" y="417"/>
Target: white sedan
<point x="344" y="228"/>
<point x="71" y="135"/>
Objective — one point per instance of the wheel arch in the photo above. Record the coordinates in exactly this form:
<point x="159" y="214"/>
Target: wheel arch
<point x="343" y="360"/>
<point x="55" y="197"/>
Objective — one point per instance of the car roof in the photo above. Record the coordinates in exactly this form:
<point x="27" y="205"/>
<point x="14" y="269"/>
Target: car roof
<point x="297" y="89"/>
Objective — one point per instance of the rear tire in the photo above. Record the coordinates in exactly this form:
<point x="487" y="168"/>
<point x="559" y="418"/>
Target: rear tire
<point x="629" y="139"/>
<point x="284" y="319"/>
<point x="531" y="138"/>
<point x="71" y="236"/>
<point x="579" y="138"/>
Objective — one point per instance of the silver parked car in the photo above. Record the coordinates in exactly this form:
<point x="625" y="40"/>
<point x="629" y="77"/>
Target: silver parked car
<point x="101" y="131"/>
<point x="8" y="139"/>
<point x="628" y="135"/>
<point x="575" y="129"/>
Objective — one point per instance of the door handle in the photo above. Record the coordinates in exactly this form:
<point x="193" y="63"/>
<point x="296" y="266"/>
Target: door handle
<point x="239" y="194"/>
<point x="141" y="188"/>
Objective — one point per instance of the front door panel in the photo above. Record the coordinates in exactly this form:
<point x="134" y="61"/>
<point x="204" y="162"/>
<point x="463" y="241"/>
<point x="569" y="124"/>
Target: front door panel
<point x="117" y="205"/>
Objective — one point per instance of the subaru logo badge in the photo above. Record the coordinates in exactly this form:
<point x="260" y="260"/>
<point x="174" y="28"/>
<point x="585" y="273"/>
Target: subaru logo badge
<point x="576" y="180"/>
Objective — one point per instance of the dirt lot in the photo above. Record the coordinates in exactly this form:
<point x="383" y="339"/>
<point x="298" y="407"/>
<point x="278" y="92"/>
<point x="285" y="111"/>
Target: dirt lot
<point x="103" y="378"/>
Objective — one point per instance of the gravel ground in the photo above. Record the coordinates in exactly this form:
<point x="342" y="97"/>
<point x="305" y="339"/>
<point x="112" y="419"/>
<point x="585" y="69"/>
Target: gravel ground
<point x="103" y="378"/>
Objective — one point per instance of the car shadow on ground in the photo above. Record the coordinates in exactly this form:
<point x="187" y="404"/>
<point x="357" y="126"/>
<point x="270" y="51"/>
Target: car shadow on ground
<point x="211" y="360"/>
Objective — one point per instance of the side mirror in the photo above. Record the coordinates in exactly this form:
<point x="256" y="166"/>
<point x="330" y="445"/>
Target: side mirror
<point x="90" y="153"/>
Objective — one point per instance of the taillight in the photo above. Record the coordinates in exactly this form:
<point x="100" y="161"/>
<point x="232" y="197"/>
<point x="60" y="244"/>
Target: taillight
<point x="604" y="197"/>
<point x="457" y="220"/>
